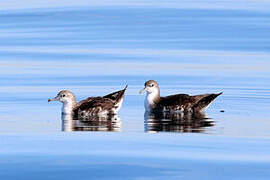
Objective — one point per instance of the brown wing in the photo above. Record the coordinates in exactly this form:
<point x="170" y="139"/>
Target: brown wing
<point x="197" y="98"/>
<point x="184" y="101"/>
<point x="93" y="105"/>
<point x="84" y="101"/>
<point x="177" y="99"/>
<point x="176" y="102"/>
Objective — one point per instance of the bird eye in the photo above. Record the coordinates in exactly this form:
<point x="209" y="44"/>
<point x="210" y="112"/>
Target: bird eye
<point x="151" y="85"/>
<point x="63" y="95"/>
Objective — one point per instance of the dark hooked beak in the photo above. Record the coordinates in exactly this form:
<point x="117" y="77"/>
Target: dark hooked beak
<point x="141" y="91"/>
<point x="53" y="99"/>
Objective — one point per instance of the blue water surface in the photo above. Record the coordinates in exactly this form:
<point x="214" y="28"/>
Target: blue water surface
<point x="94" y="48"/>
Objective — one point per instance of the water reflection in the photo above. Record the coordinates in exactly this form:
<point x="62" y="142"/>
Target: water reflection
<point x="176" y="122"/>
<point x="95" y="123"/>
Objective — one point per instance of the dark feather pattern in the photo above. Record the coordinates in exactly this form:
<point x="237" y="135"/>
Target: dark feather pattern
<point x="95" y="105"/>
<point x="116" y="95"/>
<point x="184" y="102"/>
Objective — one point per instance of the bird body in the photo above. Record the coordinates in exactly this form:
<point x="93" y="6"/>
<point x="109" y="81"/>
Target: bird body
<point x="92" y="106"/>
<point x="174" y="103"/>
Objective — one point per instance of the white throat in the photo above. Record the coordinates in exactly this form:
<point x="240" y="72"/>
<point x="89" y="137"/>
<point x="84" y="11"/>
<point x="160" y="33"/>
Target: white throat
<point x="67" y="107"/>
<point x="149" y="102"/>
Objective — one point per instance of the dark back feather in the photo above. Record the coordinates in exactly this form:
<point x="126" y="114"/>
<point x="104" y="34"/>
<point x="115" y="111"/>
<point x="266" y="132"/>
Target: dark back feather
<point x="186" y="101"/>
<point x="93" y="104"/>
<point x="174" y="100"/>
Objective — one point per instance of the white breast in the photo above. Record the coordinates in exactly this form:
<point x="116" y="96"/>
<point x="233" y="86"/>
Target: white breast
<point x="149" y="101"/>
<point x="67" y="108"/>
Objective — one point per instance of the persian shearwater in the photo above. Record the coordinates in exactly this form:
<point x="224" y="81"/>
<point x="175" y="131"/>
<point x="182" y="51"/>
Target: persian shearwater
<point x="92" y="106"/>
<point x="182" y="103"/>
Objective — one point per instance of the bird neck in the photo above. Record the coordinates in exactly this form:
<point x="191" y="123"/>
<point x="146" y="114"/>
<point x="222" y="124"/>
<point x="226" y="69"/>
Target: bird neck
<point x="68" y="106"/>
<point x="151" y="100"/>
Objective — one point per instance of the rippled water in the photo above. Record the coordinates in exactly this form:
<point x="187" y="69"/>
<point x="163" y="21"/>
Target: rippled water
<point x="95" y="47"/>
<point x="95" y="50"/>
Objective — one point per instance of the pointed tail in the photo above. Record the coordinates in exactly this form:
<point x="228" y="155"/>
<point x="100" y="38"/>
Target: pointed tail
<point x="205" y="102"/>
<point x="116" y="95"/>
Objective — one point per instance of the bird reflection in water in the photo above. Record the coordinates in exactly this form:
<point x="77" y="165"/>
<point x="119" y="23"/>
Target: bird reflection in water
<point x="95" y="123"/>
<point x="176" y="122"/>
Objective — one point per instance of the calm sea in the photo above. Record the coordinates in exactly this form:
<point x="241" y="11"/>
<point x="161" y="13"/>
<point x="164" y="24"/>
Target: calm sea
<point x="94" y="50"/>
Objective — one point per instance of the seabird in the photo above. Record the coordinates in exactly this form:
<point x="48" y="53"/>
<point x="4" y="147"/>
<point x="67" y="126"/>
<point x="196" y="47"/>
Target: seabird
<point x="182" y="103"/>
<point x="92" y="106"/>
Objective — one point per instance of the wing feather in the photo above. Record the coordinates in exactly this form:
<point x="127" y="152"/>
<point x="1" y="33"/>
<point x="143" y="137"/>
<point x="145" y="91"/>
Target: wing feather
<point x="93" y="105"/>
